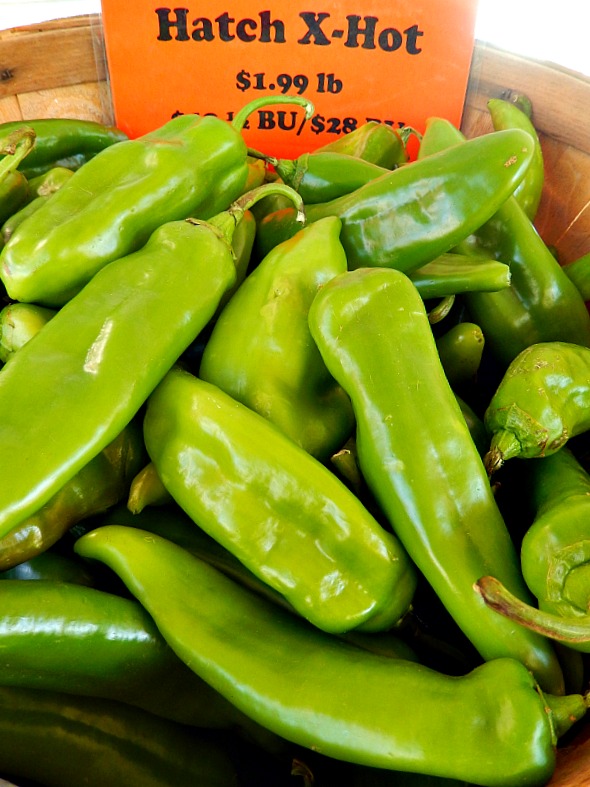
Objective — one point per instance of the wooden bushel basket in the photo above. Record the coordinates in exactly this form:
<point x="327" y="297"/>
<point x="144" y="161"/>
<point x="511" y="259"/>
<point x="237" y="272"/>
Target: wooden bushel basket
<point x="57" y="69"/>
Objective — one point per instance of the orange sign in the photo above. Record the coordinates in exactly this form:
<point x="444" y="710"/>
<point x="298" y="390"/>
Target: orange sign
<point x="391" y="60"/>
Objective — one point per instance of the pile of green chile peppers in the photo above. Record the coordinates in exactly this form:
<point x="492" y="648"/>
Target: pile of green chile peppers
<point x="541" y="303"/>
<point x="255" y="417"/>
<point x="313" y="689"/>
<point x="192" y="166"/>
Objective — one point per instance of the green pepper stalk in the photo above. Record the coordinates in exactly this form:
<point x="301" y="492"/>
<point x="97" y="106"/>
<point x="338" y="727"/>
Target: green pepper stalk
<point x="418" y="458"/>
<point x="410" y="216"/>
<point x="261" y="352"/>
<point x="542" y="401"/>
<point x="555" y="553"/>
<point x="492" y="727"/>
<point x="541" y="304"/>
<point x="107" y="356"/>
<point x="281" y="512"/>
<point x="510" y="114"/>
<point x="191" y="166"/>
<point x="15" y="146"/>
<point x="60" y="739"/>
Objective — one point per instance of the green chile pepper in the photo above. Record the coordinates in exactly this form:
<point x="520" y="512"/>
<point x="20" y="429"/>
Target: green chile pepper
<point x="578" y="271"/>
<point x="261" y="352"/>
<point x="492" y="726"/>
<point x="40" y="190"/>
<point x="50" y="182"/>
<point x="325" y="175"/>
<point x="452" y="274"/>
<point x="510" y="114"/>
<point x="147" y="489"/>
<point x="98" y="485"/>
<point x="192" y="166"/>
<point x="107" y="356"/>
<point x="75" y="639"/>
<point x="15" y="219"/>
<point x="284" y="515"/>
<point x="460" y="350"/>
<point x="60" y="740"/>
<point x="410" y="216"/>
<point x="541" y="402"/>
<point x="554" y="554"/>
<point x="541" y="303"/>
<point x="374" y="142"/>
<point x="54" y="566"/>
<point x="19" y="322"/>
<point x="417" y="455"/>
<point x="64" y="142"/>
<point x="15" y="146"/>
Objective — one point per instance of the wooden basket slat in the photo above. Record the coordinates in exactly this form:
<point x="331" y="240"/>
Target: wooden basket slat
<point x="50" y="55"/>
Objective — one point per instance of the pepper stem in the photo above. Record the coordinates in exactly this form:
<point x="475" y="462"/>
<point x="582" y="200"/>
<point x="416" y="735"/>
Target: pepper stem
<point x="407" y="131"/>
<point x="253" y="153"/>
<point x="504" y="446"/>
<point x="441" y="310"/>
<point x="14" y="147"/>
<point x="227" y="221"/>
<point x="572" y="630"/>
<point x="265" y="101"/>
<point x="565" y="711"/>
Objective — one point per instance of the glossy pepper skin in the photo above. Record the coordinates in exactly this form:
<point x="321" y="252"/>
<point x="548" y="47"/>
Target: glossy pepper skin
<point x="19" y="322"/>
<point x="191" y="166"/>
<point x="61" y="740"/>
<point x="40" y="190"/>
<point x="510" y="114"/>
<point x="100" y="484"/>
<point x="542" y="401"/>
<point x="75" y="639"/>
<point x="374" y="142"/>
<point x="460" y="350"/>
<point x="64" y="142"/>
<point x="15" y="146"/>
<point x="170" y="522"/>
<point x="453" y="274"/>
<point x="491" y="727"/>
<point x="284" y="515"/>
<point x="410" y="216"/>
<point x="554" y="554"/>
<point x="417" y="455"/>
<point x="326" y="175"/>
<point x="261" y="352"/>
<point x="541" y="303"/>
<point x="108" y="358"/>
<point x="578" y="271"/>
